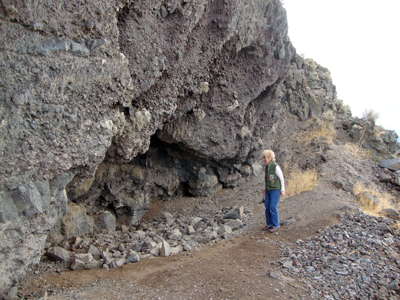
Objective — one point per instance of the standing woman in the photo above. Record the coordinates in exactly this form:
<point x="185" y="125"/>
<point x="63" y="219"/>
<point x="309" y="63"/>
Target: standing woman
<point x="274" y="188"/>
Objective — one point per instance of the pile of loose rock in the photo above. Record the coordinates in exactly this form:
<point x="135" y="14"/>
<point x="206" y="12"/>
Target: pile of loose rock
<point x="164" y="236"/>
<point x="357" y="259"/>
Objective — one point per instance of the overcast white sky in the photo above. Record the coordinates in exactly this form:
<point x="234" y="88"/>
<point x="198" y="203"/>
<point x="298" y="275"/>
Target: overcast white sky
<point x="359" y="42"/>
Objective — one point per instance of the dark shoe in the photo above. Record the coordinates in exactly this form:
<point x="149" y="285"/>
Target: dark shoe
<point x="273" y="229"/>
<point x="267" y="228"/>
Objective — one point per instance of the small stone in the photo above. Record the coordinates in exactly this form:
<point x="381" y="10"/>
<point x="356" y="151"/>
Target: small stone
<point x="133" y="257"/>
<point x="84" y="261"/>
<point x="169" y="218"/>
<point x="204" y="87"/>
<point x="234" y="224"/>
<point x="163" y="11"/>
<point x="176" y="234"/>
<point x="275" y="275"/>
<point x="117" y="263"/>
<point x="96" y="253"/>
<point x="59" y="254"/>
<point x="195" y="220"/>
<point x="176" y="250"/>
<point x="224" y="230"/>
<point x="190" y="229"/>
<point x="79" y="49"/>
<point x="235" y="213"/>
<point x="165" y="249"/>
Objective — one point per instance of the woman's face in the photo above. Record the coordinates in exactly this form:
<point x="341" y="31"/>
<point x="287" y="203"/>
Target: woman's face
<point x="267" y="160"/>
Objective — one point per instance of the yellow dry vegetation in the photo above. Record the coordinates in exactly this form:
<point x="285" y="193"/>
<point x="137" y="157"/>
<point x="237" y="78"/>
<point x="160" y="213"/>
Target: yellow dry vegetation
<point x="300" y="181"/>
<point x="324" y="130"/>
<point x="371" y="200"/>
<point x="358" y="151"/>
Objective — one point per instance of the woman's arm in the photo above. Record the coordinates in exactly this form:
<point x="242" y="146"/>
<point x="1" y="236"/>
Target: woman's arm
<point x="279" y="173"/>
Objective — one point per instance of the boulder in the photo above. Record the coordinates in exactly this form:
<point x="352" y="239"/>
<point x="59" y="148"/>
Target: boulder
<point x="235" y="213"/>
<point x="105" y="221"/>
<point x="96" y="253"/>
<point x="59" y="254"/>
<point x="76" y="222"/>
<point x="165" y="249"/>
<point x="391" y="164"/>
<point x="132" y="257"/>
<point x="84" y="261"/>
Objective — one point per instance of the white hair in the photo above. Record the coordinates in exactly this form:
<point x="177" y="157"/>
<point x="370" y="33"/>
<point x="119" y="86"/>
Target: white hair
<point x="269" y="154"/>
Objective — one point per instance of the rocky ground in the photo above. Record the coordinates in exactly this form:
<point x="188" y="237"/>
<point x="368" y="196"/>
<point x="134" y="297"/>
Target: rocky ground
<point x="327" y="248"/>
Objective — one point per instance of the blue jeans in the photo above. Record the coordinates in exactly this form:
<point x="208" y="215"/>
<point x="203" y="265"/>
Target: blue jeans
<point x="271" y="203"/>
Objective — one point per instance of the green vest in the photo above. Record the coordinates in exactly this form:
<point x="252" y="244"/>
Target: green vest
<point x="272" y="181"/>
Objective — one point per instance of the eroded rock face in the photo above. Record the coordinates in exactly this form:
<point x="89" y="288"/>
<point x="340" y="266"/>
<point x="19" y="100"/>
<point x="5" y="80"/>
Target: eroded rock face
<point x="63" y="82"/>
<point x="82" y="79"/>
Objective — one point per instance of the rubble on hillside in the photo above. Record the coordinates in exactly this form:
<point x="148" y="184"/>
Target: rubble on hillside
<point x="356" y="259"/>
<point x="164" y="236"/>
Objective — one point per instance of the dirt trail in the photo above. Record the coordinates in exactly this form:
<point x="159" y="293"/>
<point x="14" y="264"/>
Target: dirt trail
<point x="232" y="269"/>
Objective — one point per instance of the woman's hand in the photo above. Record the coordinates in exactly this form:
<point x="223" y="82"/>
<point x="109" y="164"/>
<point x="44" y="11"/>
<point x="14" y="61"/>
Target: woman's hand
<point x="283" y="193"/>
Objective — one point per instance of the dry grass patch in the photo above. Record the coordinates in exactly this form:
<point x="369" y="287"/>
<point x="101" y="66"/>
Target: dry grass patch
<point x="301" y="181"/>
<point x="358" y="151"/>
<point x="324" y="130"/>
<point x="373" y="201"/>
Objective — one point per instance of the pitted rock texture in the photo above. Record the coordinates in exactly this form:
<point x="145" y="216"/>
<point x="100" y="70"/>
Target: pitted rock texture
<point x="86" y="78"/>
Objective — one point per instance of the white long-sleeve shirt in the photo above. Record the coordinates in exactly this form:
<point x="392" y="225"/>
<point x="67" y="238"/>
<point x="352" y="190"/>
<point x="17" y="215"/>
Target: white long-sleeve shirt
<point x="279" y="173"/>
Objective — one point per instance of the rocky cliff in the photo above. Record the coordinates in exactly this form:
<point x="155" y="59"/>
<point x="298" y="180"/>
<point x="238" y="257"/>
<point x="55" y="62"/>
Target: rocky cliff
<point x="110" y="104"/>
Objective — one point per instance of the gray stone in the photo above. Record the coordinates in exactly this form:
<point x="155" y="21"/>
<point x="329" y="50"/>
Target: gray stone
<point x="163" y="11"/>
<point x="94" y="44"/>
<point x="117" y="263"/>
<point x="177" y="249"/>
<point x="84" y="261"/>
<point x="190" y="229"/>
<point x="176" y="234"/>
<point x="234" y="224"/>
<point x="186" y="246"/>
<point x="275" y="275"/>
<point x="59" y="254"/>
<point x="79" y="49"/>
<point x="106" y="221"/>
<point x="132" y="257"/>
<point x="169" y="218"/>
<point x="224" y="230"/>
<point x="76" y="222"/>
<point x="195" y="220"/>
<point x="165" y="249"/>
<point x="107" y="257"/>
<point x="96" y="253"/>
<point x="235" y="213"/>
<point x="391" y="164"/>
